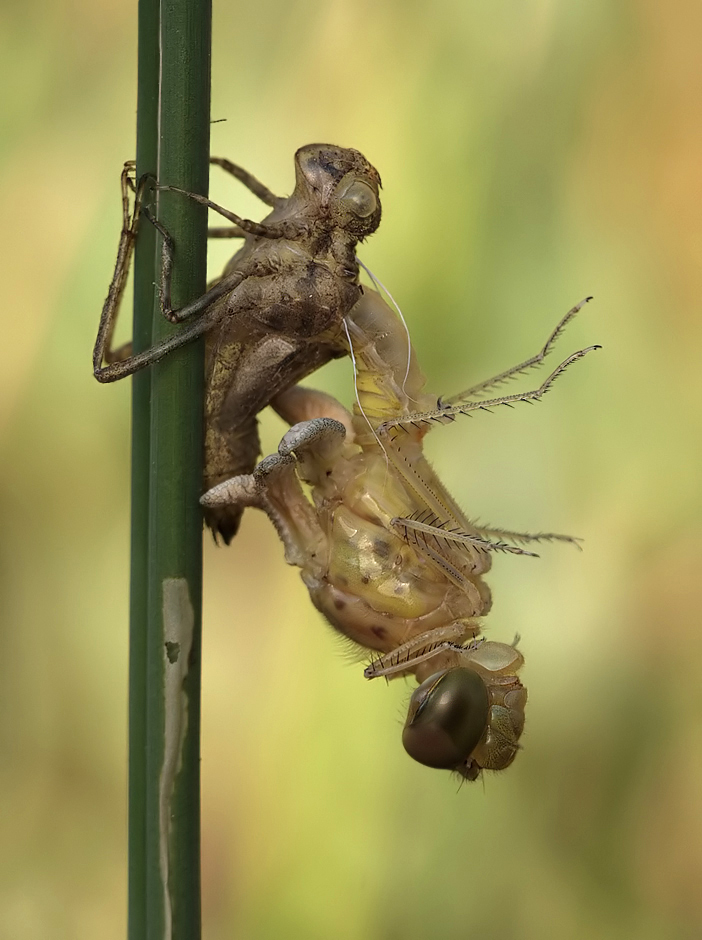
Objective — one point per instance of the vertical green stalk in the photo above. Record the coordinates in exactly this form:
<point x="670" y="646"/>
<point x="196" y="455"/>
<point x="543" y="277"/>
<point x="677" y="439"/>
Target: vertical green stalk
<point x="144" y="277"/>
<point x="167" y="525"/>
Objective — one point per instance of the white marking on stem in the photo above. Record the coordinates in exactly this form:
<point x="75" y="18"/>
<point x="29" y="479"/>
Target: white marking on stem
<point x="178" y="626"/>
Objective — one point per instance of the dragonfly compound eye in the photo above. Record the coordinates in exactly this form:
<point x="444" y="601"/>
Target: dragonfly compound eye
<point x="359" y="198"/>
<point x="447" y="716"/>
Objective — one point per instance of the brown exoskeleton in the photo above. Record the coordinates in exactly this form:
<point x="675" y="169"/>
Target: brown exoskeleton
<point x="275" y="314"/>
<point x="388" y="556"/>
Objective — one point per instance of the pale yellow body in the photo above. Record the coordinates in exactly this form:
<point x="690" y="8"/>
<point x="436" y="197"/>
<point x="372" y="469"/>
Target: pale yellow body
<point x="388" y="556"/>
<point x="409" y="593"/>
<point x="370" y="582"/>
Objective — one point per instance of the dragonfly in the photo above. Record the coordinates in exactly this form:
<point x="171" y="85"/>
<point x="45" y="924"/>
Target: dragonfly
<point x="387" y="554"/>
<point x="274" y="315"/>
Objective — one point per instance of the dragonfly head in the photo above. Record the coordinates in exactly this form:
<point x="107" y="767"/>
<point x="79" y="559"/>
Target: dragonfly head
<point x="464" y="720"/>
<point x="342" y="185"/>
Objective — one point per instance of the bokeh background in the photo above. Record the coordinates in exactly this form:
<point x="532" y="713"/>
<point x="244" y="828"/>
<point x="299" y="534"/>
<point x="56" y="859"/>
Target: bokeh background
<point x="533" y="152"/>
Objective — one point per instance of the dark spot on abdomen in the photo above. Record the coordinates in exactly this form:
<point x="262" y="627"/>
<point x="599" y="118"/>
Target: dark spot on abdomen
<point x="380" y="632"/>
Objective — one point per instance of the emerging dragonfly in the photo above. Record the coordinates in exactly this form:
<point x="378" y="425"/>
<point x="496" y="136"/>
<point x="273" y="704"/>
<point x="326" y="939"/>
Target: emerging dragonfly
<point x="388" y="556"/>
<point x="275" y="314"/>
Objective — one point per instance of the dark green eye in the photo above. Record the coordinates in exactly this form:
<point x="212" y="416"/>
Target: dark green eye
<point x="447" y="716"/>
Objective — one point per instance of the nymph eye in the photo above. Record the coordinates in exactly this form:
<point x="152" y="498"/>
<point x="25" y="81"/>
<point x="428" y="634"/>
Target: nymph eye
<point x="447" y="716"/>
<point x="359" y="198"/>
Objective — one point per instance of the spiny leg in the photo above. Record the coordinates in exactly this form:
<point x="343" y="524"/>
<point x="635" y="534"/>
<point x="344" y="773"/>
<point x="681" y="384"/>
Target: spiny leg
<point x="444" y="415"/>
<point x="446" y="538"/>
<point x="421" y="648"/>
<point x="485" y="656"/>
<point x="452" y="573"/>
<point x="422" y="481"/>
<point x="525" y="537"/>
<point x="522" y="367"/>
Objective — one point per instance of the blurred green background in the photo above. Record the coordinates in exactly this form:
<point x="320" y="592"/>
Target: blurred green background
<point x="532" y="153"/>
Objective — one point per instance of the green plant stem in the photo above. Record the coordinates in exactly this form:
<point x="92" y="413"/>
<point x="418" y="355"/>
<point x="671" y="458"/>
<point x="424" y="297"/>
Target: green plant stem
<point x="165" y="664"/>
<point x="144" y="300"/>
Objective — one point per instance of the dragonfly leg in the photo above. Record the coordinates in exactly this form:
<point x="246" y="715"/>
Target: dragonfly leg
<point x="122" y="362"/>
<point x="445" y="414"/>
<point x="424" y="648"/>
<point x="493" y="532"/>
<point x="275" y="488"/>
<point x="316" y="446"/>
<point x="299" y="403"/>
<point x="523" y="367"/>
<point x="306" y="452"/>
<point x="248" y="179"/>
